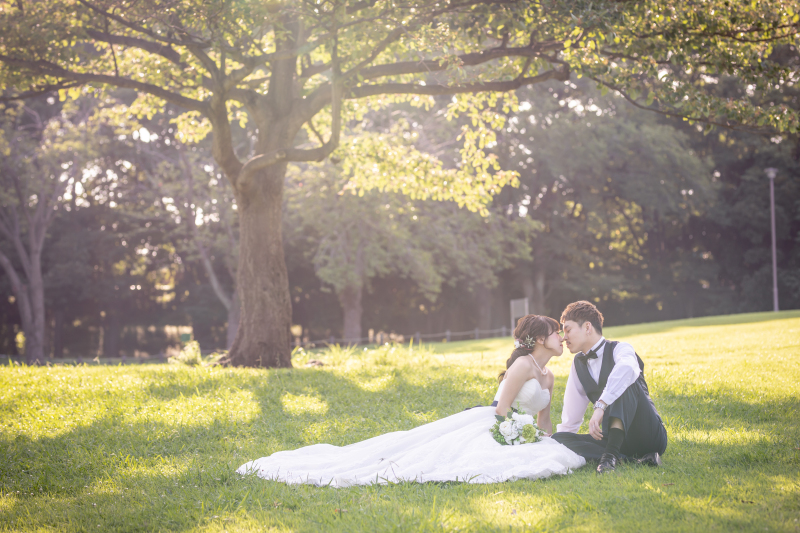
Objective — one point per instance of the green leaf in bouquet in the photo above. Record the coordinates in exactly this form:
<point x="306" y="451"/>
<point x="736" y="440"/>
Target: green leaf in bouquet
<point x="500" y="418"/>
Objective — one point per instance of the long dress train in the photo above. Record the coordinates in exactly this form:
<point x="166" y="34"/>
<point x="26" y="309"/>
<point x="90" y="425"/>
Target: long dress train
<point x="459" y="447"/>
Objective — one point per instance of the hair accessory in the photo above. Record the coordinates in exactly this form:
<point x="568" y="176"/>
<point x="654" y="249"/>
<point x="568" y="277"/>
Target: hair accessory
<point x="528" y="343"/>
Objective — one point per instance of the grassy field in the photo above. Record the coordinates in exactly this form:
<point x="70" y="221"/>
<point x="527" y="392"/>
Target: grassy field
<point x="154" y="447"/>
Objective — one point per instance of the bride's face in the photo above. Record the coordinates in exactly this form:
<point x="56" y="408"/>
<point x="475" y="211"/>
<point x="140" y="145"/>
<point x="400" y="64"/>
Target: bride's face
<point x="553" y="342"/>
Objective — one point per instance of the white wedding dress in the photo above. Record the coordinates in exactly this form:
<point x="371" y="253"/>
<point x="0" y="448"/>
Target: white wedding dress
<point x="459" y="447"/>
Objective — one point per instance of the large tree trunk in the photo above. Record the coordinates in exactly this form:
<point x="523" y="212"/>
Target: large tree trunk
<point x="350" y="300"/>
<point x="264" y="336"/>
<point x="35" y="335"/>
<point x="234" y="316"/>
<point x="34" y="339"/>
<point x="30" y="300"/>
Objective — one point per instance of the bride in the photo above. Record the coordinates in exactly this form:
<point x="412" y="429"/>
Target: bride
<point x="459" y="447"/>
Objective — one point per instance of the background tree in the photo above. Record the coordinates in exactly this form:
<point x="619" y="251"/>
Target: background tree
<point x="735" y="233"/>
<point x="107" y="253"/>
<point x="357" y="238"/>
<point x="41" y="149"/>
<point x="212" y="222"/>
<point x="196" y="198"/>
<point x="608" y="185"/>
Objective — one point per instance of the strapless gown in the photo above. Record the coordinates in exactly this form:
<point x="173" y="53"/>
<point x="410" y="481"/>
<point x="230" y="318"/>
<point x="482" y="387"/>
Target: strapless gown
<point x="459" y="447"/>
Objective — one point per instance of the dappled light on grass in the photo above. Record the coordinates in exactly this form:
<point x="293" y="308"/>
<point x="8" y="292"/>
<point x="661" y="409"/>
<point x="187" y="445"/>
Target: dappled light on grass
<point x="299" y="404"/>
<point x="200" y="410"/>
<point x="155" y="447"/>
<point x="376" y="384"/>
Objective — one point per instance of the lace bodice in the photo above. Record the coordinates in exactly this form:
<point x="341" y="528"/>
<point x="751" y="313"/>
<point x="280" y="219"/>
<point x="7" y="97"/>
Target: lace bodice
<point x="531" y="397"/>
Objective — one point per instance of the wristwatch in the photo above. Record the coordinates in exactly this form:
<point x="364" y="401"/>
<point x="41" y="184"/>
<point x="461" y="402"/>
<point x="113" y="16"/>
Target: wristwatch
<point x="600" y="405"/>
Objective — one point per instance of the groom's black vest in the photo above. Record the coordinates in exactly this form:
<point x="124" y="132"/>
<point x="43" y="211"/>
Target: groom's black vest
<point x="594" y="388"/>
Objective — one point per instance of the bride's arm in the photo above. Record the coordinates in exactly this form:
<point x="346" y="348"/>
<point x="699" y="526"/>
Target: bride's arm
<point x="515" y="378"/>
<point x="543" y="418"/>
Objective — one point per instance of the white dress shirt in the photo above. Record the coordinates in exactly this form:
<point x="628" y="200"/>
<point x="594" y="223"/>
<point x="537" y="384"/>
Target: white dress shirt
<point x="623" y="375"/>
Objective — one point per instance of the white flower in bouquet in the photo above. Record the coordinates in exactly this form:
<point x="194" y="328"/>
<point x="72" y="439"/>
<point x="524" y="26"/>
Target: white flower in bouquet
<point x="515" y="428"/>
<point x="523" y="419"/>
<point x="508" y="430"/>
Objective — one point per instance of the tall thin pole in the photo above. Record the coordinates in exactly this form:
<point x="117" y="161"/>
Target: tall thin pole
<point x="771" y="172"/>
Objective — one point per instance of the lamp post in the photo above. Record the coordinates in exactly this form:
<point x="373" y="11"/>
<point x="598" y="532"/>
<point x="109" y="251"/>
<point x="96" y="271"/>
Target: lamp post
<point x="771" y="173"/>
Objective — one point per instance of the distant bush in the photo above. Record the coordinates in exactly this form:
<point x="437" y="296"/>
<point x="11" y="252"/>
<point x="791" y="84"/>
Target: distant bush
<point x="387" y="354"/>
<point x="191" y="356"/>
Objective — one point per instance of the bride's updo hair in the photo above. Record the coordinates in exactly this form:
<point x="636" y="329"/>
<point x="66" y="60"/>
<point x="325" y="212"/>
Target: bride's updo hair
<point x="529" y="327"/>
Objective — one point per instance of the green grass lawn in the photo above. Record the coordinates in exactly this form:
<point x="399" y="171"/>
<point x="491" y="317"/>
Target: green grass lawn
<point x="154" y="447"/>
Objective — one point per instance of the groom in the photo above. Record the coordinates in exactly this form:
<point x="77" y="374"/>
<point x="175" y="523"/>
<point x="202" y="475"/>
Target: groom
<point x="625" y="424"/>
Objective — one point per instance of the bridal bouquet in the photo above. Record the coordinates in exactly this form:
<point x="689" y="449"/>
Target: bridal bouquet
<point x="516" y="428"/>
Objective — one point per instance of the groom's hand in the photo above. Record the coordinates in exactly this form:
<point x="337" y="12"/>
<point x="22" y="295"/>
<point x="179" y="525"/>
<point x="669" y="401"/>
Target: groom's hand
<point x="596" y="424"/>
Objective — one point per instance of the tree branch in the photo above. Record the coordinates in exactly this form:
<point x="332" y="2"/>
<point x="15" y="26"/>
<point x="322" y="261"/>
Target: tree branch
<point x="467" y="60"/>
<point x="13" y="234"/>
<point x="162" y="49"/>
<point x="49" y="69"/>
<point x="310" y="125"/>
<point x="732" y="34"/>
<point x="137" y="28"/>
<point x="33" y="93"/>
<point x="435" y="90"/>
<point x="23" y="201"/>
<point x="376" y="51"/>
<point x="209" y="64"/>
<point x="313" y="70"/>
<point x="634" y="103"/>
<point x="11" y="272"/>
<point x="318" y="99"/>
<point x="21" y="292"/>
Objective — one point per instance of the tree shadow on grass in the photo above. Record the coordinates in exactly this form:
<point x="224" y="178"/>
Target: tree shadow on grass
<point x="137" y="470"/>
<point x="708" y="408"/>
<point x="729" y="431"/>
<point x="129" y="474"/>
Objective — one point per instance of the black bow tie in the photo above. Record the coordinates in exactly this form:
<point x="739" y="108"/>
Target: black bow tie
<point x="591" y="355"/>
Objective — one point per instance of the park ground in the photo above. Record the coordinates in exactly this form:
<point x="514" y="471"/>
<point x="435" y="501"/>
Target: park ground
<point x="155" y="447"/>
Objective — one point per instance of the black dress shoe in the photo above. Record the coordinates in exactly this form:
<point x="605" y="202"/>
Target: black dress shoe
<point x="650" y="459"/>
<point x="608" y="463"/>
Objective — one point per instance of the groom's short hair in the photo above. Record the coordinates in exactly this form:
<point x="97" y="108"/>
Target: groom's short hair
<point x="584" y="311"/>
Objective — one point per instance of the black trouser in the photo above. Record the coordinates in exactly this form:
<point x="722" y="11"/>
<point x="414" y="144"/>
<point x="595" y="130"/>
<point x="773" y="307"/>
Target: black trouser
<point x="644" y="431"/>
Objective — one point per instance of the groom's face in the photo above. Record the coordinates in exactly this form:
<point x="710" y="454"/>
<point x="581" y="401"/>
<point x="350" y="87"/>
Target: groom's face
<point x="575" y="336"/>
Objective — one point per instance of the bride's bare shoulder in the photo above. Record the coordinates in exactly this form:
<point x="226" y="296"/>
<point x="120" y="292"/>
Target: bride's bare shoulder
<point x="522" y="362"/>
